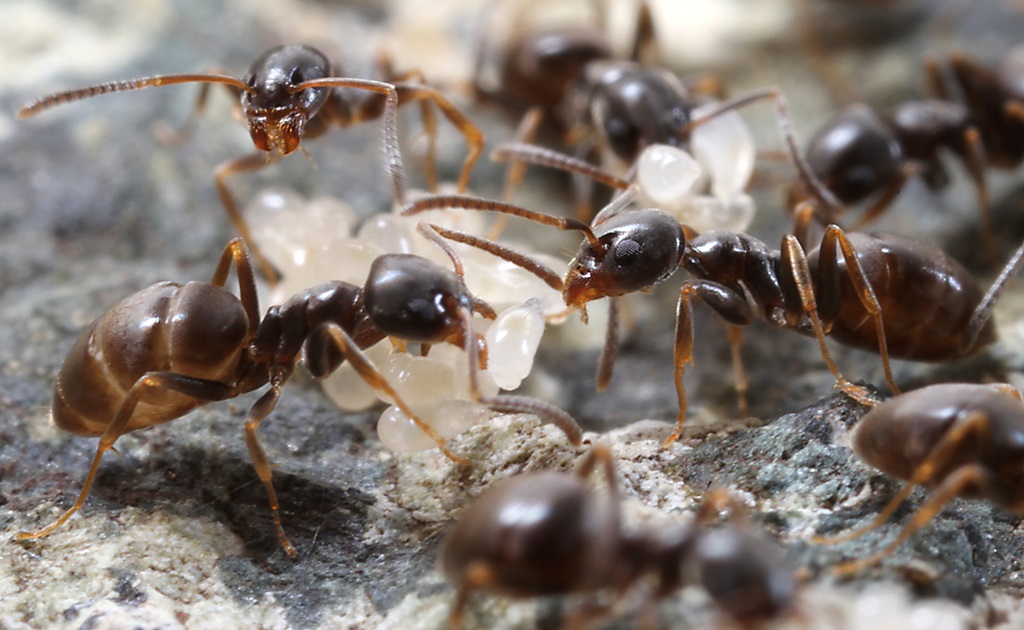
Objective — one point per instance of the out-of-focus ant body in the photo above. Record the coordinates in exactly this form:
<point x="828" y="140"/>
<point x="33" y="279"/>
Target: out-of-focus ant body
<point x="548" y="533"/>
<point x="959" y="440"/>
<point x="978" y="115"/>
<point x="291" y="93"/>
<point x="879" y="292"/>
<point x="170" y="348"/>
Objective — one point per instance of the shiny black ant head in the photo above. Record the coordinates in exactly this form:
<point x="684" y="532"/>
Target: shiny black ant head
<point x="412" y="298"/>
<point x="855" y="154"/>
<point x="638" y="249"/>
<point x="744" y="573"/>
<point x="633" y="107"/>
<point x="276" y="113"/>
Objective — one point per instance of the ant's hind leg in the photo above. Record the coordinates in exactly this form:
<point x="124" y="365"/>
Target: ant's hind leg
<point x="204" y="390"/>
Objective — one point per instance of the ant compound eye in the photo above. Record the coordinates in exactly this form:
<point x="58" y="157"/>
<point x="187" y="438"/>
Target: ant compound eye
<point x="296" y="77"/>
<point x="250" y="80"/>
<point x="626" y="251"/>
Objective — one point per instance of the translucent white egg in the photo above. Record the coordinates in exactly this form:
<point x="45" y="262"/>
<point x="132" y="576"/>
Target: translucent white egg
<point x="389" y="232"/>
<point x="512" y="343"/>
<point x="725" y="148"/>
<point x="666" y="174"/>
<point x="419" y="380"/>
<point x="449" y="418"/>
<point x="347" y="389"/>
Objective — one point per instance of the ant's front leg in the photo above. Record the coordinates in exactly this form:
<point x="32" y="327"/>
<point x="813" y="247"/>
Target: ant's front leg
<point x="243" y="164"/>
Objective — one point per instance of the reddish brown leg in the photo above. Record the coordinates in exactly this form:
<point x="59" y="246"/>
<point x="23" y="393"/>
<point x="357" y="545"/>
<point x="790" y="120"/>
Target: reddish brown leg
<point x="168" y="135"/>
<point x="682" y="354"/>
<point x="975" y="423"/>
<point x="474" y="137"/>
<point x="236" y="252"/>
<point x="509" y="403"/>
<point x="610" y="350"/>
<point x="366" y="370"/>
<point x="246" y="163"/>
<point x="478" y="575"/>
<point x="203" y="390"/>
<point x="796" y="272"/>
<point x="260" y="410"/>
<point x="526" y="132"/>
<point x="735" y="334"/>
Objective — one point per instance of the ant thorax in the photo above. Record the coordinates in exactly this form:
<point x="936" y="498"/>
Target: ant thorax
<point x="315" y="240"/>
<point x="704" y="187"/>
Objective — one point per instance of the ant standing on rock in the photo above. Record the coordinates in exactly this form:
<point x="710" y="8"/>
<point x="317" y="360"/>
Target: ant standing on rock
<point x="171" y="348"/>
<point x="884" y="293"/>
<point x="959" y="440"/>
<point x="548" y="533"/>
<point x="290" y="93"/>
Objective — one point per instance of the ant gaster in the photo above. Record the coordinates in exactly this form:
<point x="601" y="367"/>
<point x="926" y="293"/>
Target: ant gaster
<point x="548" y="533"/>
<point x="170" y="348"/>
<point x="959" y="440"/>
<point x="291" y="93"/>
<point x="884" y="293"/>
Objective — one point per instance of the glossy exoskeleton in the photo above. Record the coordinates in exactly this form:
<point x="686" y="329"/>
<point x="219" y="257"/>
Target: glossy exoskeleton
<point x="880" y="292"/>
<point x="171" y="348"/>
<point x="291" y="93"/>
<point x="957" y="439"/>
<point x="548" y="533"/>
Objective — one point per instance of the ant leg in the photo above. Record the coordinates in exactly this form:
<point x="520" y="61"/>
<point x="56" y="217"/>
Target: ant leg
<point x="882" y="203"/>
<point x="376" y="380"/>
<point x="610" y="350"/>
<point x="474" y="137"/>
<point x="802" y="223"/>
<point x="831" y="205"/>
<point x="938" y="457"/>
<point x="645" y="37"/>
<point x="201" y="389"/>
<point x="828" y="272"/>
<point x="935" y="83"/>
<point x="984" y="309"/>
<point x="728" y="304"/>
<point x="236" y="252"/>
<point x="526" y="132"/>
<point x="955" y="484"/>
<point x="742" y="387"/>
<point x="510" y="403"/>
<point x="718" y="499"/>
<point x="797" y="276"/>
<point x="976" y="162"/>
<point x="245" y="163"/>
<point x="478" y="574"/>
<point x="260" y="410"/>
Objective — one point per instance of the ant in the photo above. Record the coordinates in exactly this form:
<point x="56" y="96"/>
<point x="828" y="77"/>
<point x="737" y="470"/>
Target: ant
<point x="171" y="348"/>
<point x="859" y="153"/>
<point x="617" y="107"/>
<point x="883" y="293"/>
<point x="964" y="440"/>
<point x="548" y="533"/>
<point x="291" y="93"/>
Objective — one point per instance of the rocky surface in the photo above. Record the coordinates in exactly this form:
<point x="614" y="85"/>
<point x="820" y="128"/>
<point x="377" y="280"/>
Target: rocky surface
<point x="176" y="532"/>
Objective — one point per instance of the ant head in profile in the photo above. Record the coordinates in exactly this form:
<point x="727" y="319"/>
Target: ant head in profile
<point x="632" y="251"/>
<point x="275" y="110"/>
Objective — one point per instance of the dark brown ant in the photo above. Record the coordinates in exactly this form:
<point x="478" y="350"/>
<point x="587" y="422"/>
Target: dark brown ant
<point x="884" y="293"/>
<point x="860" y="153"/>
<point x="959" y="440"/>
<point x="290" y="93"/>
<point x="612" y="106"/>
<point x="548" y="533"/>
<point x="170" y="348"/>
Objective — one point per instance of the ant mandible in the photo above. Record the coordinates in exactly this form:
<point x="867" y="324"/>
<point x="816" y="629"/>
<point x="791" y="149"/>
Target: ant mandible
<point x="957" y="439"/>
<point x="548" y="533"/>
<point x="934" y="308"/>
<point x="290" y="93"/>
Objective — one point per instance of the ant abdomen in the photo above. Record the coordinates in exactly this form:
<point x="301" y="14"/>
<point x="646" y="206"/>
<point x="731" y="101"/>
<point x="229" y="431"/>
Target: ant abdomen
<point x="196" y="329"/>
